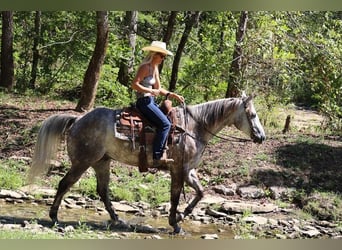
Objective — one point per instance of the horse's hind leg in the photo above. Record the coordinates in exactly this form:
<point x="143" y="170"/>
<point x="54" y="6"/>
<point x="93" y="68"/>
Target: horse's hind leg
<point x="102" y="175"/>
<point x="68" y="180"/>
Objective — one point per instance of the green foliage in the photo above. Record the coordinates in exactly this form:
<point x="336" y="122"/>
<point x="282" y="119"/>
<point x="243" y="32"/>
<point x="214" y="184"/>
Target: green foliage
<point x="11" y="176"/>
<point x="287" y="56"/>
<point x="133" y="186"/>
<point x="110" y="92"/>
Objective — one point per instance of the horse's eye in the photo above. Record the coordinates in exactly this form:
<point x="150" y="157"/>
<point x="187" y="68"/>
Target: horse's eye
<point x="253" y="115"/>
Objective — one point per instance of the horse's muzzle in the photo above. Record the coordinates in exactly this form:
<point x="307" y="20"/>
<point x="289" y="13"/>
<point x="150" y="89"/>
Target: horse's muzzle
<point x="259" y="139"/>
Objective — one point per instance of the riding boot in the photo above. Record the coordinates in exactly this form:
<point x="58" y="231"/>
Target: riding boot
<point x="163" y="162"/>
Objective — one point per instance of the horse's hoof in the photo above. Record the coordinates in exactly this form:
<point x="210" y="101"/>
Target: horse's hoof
<point x="178" y="231"/>
<point x="54" y="223"/>
<point x="119" y="224"/>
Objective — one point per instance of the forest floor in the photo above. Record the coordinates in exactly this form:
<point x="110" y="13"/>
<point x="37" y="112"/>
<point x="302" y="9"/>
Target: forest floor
<point x="304" y="158"/>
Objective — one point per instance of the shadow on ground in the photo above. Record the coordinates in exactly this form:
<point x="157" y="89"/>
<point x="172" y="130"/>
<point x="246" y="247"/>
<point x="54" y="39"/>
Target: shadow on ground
<point x="305" y="165"/>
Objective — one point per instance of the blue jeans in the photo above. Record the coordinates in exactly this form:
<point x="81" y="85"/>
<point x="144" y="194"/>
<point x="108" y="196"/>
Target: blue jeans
<point x="152" y="112"/>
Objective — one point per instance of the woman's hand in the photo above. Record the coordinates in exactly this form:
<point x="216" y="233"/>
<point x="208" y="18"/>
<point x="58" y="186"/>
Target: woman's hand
<point x="177" y="97"/>
<point x="155" y="92"/>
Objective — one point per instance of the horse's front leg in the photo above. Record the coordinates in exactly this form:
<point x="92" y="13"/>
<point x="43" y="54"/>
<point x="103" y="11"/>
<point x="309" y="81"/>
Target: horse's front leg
<point x="193" y="181"/>
<point x="177" y="182"/>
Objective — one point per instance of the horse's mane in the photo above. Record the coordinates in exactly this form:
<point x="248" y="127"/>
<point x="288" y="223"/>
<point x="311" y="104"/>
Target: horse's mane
<point x="213" y="111"/>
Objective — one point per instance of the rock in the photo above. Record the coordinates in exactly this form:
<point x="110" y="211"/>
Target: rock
<point x="256" y="219"/>
<point x="156" y="237"/>
<point x="209" y="199"/>
<point x="242" y="206"/>
<point x="18" y="158"/>
<point x="121" y="207"/>
<point x="252" y="192"/>
<point x="215" y="213"/>
<point x="209" y="236"/>
<point x="228" y="191"/>
<point x="284" y="223"/>
<point x="283" y="193"/>
<point x="72" y="206"/>
<point x="37" y="190"/>
<point x="273" y="222"/>
<point x="280" y="236"/>
<point x="4" y="193"/>
<point x="310" y="233"/>
<point x="69" y="228"/>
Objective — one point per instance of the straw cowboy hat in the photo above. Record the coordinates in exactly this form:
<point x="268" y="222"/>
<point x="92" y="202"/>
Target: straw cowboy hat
<point x="157" y="46"/>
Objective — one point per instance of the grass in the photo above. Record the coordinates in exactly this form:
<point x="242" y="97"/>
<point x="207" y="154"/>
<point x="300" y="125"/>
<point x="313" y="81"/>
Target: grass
<point x="130" y="185"/>
<point x="11" y="174"/>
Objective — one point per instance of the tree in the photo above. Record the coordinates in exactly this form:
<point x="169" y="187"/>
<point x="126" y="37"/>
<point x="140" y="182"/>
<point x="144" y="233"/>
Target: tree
<point x="168" y="32"/>
<point x="190" y="20"/>
<point x="235" y="67"/>
<point x="126" y="64"/>
<point x="92" y="74"/>
<point x="7" y="62"/>
<point x="35" y="59"/>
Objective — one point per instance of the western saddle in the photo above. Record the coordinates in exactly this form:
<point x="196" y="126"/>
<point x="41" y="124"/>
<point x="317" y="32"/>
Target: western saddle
<point x="136" y="127"/>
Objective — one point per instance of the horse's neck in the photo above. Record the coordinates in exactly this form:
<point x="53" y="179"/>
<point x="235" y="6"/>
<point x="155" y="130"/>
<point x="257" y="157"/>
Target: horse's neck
<point x="211" y="117"/>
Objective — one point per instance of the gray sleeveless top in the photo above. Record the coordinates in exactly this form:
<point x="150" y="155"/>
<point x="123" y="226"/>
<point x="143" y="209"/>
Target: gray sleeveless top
<point x="147" y="82"/>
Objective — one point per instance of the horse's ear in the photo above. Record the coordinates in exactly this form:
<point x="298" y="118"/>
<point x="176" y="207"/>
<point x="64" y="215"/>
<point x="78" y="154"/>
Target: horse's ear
<point x="248" y="99"/>
<point x="244" y="97"/>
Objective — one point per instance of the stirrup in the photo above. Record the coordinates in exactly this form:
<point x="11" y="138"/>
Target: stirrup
<point x="162" y="163"/>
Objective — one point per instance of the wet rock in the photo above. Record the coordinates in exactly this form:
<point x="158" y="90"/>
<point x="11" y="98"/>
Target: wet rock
<point x="156" y="237"/>
<point x="209" y="236"/>
<point x="251" y="192"/>
<point x="215" y="213"/>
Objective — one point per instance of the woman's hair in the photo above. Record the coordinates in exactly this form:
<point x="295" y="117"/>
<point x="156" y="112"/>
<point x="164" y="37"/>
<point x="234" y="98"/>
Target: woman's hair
<point x="148" y="57"/>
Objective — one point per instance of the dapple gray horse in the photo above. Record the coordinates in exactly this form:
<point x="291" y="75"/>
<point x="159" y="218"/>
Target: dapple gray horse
<point x="91" y="143"/>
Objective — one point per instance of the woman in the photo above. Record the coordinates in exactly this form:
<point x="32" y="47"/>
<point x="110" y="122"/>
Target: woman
<point x="147" y="84"/>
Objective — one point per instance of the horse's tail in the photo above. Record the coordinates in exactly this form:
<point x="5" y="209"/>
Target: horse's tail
<point x="49" y="137"/>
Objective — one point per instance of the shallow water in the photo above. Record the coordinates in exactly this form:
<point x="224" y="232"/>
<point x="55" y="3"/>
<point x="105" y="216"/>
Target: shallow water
<point x="20" y="212"/>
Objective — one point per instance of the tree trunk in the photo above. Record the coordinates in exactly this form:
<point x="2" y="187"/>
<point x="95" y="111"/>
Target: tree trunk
<point x="35" y="59"/>
<point x="7" y="61"/>
<point x="127" y="66"/>
<point x="169" y="31"/>
<point x="191" y="20"/>
<point x="92" y="74"/>
<point x="236" y="65"/>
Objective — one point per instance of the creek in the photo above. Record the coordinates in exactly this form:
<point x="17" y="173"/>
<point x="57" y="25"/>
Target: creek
<point x="141" y="226"/>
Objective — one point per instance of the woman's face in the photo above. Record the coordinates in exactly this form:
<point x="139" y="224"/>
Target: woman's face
<point x="159" y="57"/>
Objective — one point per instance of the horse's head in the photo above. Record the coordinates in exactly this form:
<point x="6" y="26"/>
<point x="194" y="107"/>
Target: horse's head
<point x="249" y="122"/>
